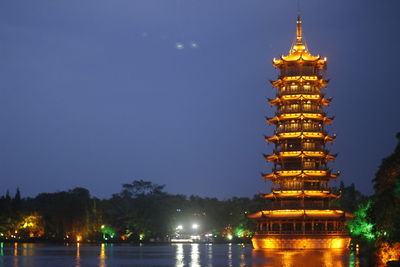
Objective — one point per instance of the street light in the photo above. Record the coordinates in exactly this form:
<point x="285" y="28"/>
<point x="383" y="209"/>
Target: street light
<point x="195" y="226"/>
<point x="179" y="227"/>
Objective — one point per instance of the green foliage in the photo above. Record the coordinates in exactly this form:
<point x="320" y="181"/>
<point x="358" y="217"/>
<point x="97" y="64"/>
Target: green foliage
<point x="361" y="226"/>
<point x="385" y="210"/>
<point x="107" y="231"/>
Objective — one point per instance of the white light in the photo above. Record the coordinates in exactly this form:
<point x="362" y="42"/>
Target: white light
<point x="195" y="226"/>
<point x="194" y="45"/>
<point x="179" y="46"/>
<point x="179" y="227"/>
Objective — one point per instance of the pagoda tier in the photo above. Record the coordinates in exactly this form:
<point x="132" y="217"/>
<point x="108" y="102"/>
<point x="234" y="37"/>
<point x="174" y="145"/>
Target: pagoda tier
<point x="279" y="137"/>
<point x="304" y="174"/>
<point x="296" y="194"/>
<point x="300" y="214"/>
<point x="278" y="156"/>
<point x="289" y="214"/>
<point x="305" y="84"/>
<point x="299" y="115"/>
<point x="296" y="98"/>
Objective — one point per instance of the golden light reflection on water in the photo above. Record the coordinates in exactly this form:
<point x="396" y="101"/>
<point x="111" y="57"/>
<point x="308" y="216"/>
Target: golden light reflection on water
<point x="102" y="256"/>
<point x="309" y="258"/>
<point x="78" y="255"/>
<point x="287" y="259"/>
<point x="15" y="249"/>
<point x="25" y="249"/>
<point x="242" y="256"/>
<point x="15" y="258"/>
<point x="192" y="255"/>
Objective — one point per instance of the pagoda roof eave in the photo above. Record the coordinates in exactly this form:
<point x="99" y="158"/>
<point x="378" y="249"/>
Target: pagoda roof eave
<point x="286" y="79"/>
<point x="291" y="116"/>
<point x="304" y="57"/>
<point x="280" y="136"/>
<point x="302" y="153"/>
<point x="300" y="194"/>
<point x="276" y="214"/>
<point x="302" y="174"/>
<point x="315" y="97"/>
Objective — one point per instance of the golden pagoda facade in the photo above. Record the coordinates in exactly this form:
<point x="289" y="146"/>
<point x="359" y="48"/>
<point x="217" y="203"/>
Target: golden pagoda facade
<point x="300" y="216"/>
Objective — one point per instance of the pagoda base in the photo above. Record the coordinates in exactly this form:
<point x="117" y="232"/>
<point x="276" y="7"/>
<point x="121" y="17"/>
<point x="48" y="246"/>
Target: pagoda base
<point x="261" y="241"/>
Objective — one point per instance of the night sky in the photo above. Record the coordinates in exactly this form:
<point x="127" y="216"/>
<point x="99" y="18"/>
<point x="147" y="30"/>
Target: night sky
<point x="97" y="93"/>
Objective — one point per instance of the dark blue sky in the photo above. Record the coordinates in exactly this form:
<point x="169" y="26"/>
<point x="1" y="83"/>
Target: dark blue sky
<point x="97" y="93"/>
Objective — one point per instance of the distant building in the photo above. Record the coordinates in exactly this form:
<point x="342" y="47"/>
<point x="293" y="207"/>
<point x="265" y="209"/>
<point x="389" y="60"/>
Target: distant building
<point x="300" y="216"/>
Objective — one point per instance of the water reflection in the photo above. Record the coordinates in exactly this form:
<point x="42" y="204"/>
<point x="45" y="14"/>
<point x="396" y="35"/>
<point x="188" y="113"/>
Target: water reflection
<point x="102" y="256"/>
<point x="180" y="256"/>
<point x="209" y="254"/>
<point x="78" y="255"/>
<point x="354" y="260"/>
<point x="242" y="255"/>
<point x="289" y="258"/>
<point x="15" y="249"/>
<point x="335" y="257"/>
<point x="1" y="254"/>
<point x="15" y="258"/>
<point x="194" y="255"/>
<point x="230" y="254"/>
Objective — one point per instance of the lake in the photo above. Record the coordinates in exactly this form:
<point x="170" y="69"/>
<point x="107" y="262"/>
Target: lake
<point x="82" y="255"/>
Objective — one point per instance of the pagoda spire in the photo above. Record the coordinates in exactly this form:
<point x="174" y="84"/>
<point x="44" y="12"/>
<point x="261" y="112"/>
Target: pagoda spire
<point x="299" y="45"/>
<point x="299" y="30"/>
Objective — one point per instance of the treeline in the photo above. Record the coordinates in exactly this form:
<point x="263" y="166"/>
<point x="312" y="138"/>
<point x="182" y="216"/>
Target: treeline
<point x="376" y="226"/>
<point x="377" y="218"/>
<point x="141" y="211"/>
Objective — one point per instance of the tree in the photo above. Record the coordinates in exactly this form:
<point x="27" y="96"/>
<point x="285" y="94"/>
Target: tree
<point x="140" y="187"/>
<point x="386" y="208"/>
<point x="17" y="196"/>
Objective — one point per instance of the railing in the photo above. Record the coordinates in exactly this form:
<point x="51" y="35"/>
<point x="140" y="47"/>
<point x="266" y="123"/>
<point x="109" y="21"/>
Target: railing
<point x="300" y="91"/>
<point x="318" y="129"/>
<point x="299" y="167"/>
<point x="292" y="149"/>
<point x="286" y="110"/>
<point x="312" y="187"/>
<point x="298" y="72"/>
<point x="302" y="187"/>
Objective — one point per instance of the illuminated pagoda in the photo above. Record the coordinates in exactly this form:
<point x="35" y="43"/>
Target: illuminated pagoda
<point x="300" y="216"/>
